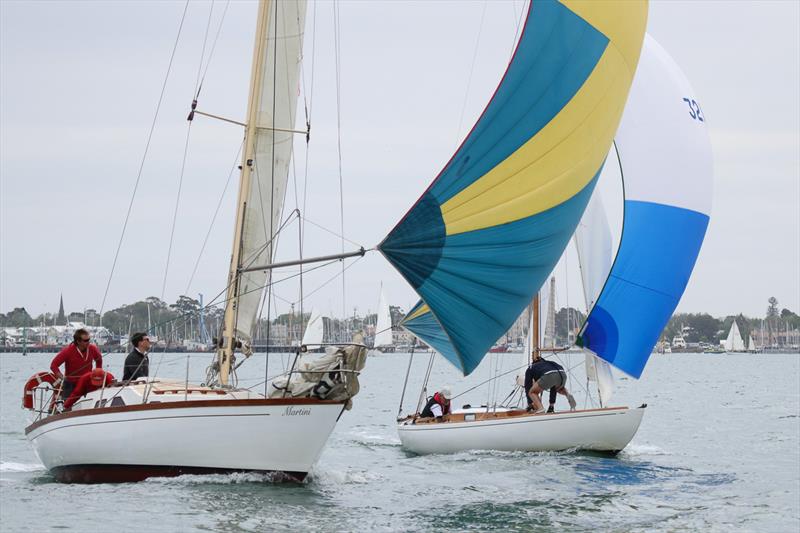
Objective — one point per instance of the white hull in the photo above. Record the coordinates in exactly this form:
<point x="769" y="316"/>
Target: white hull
<point x="609" y="430"/>
<point x="175" y="437"/>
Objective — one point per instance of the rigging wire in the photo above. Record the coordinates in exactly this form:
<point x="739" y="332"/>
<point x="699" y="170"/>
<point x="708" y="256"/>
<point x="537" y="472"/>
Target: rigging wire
<point x="213" y="46"/>
<point x="337" y="62"/>
<point x="214" y="218"/>
<point x="185" y="155"/>
<point x="144" y="157"/>
<point x="175" y="211"/>
<point x="469" y="79"/>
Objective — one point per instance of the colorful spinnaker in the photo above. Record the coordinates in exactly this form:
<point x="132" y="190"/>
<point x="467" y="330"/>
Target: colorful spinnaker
<point x="482" y="239"/>
<point x="665" y="155"/>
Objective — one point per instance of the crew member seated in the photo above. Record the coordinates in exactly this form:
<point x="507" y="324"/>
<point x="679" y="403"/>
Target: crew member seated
<point x="90" y="381"/>
<point x="438" y="405"/>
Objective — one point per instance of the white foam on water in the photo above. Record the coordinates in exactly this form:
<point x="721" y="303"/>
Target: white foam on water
<point x="324" y="476"/>
<point x="215" y="479"/>
<point x="644" y="449"/>
<point x="7" y="466"/>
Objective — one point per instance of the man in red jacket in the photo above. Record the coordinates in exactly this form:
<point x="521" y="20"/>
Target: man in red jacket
<point x="77" y="360"/>
<point x="90" y="381"/>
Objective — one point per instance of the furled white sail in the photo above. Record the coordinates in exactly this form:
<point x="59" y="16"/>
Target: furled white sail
<point x="734" y="342"/>
<point x="315" y="329"/>
<point x="275" y="89"/>
<point x="383" y="327"/>
<point x="549" y="339"/>
<point x="595" y="255"/>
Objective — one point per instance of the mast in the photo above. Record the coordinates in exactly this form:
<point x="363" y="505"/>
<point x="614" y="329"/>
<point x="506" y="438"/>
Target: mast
<point x="535" y="335"/>
<point x="228" y="343"/>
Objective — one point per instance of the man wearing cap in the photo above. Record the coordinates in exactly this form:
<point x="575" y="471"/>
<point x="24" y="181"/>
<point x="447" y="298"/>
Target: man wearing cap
<point x="90" y="381"/>
<point x="438" y="405"/>
<point x="137" y="363"/>
<point x="77" y="359"/>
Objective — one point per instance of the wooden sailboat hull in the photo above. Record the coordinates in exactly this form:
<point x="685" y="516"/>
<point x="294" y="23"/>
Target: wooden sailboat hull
<point x="131" y="443"/>
<point x="607" y="430"/>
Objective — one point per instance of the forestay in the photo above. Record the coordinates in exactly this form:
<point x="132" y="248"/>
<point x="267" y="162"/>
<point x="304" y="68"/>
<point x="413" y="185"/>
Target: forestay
<point x="482" y="239"/>
<point x="665" y="155"/>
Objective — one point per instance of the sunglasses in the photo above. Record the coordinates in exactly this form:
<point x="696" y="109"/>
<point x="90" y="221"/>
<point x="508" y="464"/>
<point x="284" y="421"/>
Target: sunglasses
<point x="84" y="340"/>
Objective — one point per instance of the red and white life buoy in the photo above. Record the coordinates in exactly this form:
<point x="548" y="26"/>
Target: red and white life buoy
<point x="36" y="380"/>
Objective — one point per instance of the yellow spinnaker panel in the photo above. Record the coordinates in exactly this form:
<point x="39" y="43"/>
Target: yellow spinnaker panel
<point x="558" y="162"/>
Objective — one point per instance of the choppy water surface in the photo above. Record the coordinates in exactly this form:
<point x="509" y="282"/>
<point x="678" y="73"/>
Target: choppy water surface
<point x="718" y="449"/>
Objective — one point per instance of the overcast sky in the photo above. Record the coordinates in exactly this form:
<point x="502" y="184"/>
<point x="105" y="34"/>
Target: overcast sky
<point x="79" y="83"/>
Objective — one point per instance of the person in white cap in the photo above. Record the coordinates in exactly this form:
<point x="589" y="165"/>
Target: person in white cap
<point x="438" y="405"/>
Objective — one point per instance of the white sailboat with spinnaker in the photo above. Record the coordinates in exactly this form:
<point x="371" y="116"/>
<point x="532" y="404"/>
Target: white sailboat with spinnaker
<point x="664" y="151"/>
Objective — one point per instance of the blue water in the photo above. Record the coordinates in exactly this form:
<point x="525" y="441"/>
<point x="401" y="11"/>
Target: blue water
<point x="718" y="450"/>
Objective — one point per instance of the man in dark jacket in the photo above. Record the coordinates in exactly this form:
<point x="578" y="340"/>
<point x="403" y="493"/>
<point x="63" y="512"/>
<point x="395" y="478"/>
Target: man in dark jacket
<point x="136" y="364"/>
<point x="543" y="375"/>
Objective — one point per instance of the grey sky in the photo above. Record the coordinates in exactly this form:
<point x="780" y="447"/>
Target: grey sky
<point x="79" y="82"/>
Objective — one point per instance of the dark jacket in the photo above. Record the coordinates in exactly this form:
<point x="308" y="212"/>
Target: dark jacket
<point x="136" y="366"/>
<point x="436" y="398"/>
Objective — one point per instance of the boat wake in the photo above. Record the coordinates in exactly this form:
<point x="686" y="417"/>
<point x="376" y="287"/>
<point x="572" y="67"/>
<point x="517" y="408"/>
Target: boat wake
<point x="7" y="466"/>
<point x="217" y="479"/>
<point x="637" y="450"/>
<point x="324" y="476"/>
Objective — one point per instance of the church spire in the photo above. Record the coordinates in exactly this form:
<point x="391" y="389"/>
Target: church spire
<point x="61" y="320"/>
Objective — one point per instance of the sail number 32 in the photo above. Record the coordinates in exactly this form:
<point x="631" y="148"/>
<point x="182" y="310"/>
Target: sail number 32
<point x="694" y="110"/>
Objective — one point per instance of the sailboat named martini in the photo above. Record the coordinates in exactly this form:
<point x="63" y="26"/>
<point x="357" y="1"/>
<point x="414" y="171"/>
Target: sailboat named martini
<point x="502" y="211"/>
<point x="182" y="428"/>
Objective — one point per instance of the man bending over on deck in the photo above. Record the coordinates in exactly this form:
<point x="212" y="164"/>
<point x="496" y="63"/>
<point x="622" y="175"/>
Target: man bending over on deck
<point x="137" y="363"/>
<point x="438" y="405"/>
<point x="77" y="360"/>
<point x="542" y="375"/>
<point x="90" y="381"/>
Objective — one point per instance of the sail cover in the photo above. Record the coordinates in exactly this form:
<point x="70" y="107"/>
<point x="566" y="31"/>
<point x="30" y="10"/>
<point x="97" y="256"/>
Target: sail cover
<point x="482" y="239"/>
<point x="665" y="154"/>
<point x="276" y="88"/>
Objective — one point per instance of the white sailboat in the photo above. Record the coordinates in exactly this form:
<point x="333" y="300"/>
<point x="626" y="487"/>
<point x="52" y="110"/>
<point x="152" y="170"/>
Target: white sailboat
<point x="181" y="428"/>
<point x="315" y="330"/>
<point x="734" y="342"/>
<point x="751" y="345"/>
<point x="631" y="304"/>
<point x="384" y="341"/>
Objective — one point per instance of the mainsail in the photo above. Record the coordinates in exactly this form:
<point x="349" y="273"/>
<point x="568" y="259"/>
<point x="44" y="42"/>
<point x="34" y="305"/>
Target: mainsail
<point x="665" y="154"/>
<point x="265" y="167"/>
<point x="483" y="238"/>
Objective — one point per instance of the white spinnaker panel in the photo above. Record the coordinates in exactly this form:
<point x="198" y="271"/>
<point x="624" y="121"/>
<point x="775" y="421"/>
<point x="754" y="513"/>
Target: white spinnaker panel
<point x="315" y="329"/>
<point x="593" y="243"/>
<point x="383" y="327"/>
<point x="273" y="152"/>
<point x="595" y="256"/>
<point x="670" y="180"/>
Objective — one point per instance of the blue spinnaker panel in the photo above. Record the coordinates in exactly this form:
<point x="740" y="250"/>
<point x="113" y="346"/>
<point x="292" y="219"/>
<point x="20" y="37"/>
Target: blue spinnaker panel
<point x="644" y="288"/>
<point x="665" y="156"/>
